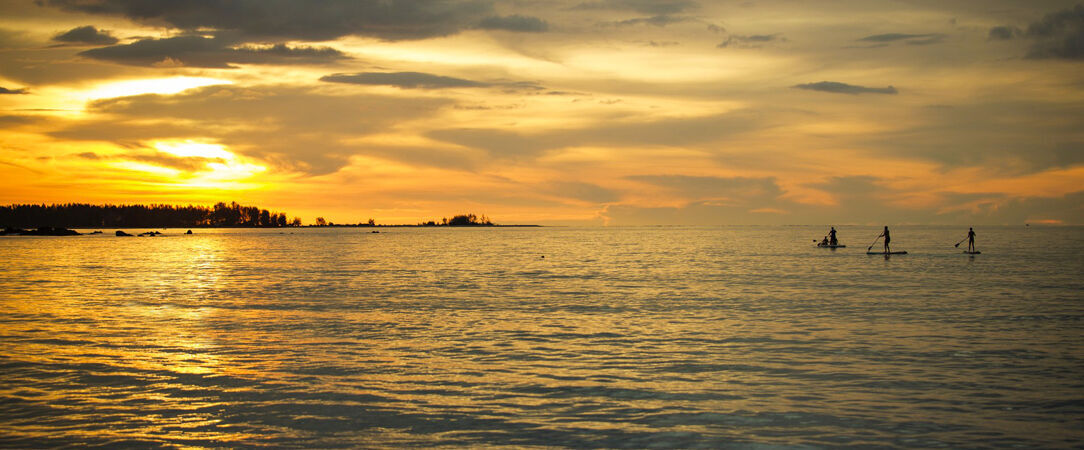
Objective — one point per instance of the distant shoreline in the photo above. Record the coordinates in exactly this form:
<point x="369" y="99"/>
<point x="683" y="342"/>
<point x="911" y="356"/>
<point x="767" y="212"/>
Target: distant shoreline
<point x="71" y="231"/>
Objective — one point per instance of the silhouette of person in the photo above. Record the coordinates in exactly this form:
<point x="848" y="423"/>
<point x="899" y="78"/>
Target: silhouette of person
<point x="971" y="239"/>
<point x="887" y="239"/>
<point x="832" y="237"/>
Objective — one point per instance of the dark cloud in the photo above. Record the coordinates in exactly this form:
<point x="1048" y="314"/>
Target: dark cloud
<point x="844" y="88"/>
<point x="524" y="24"/>
<point x="188" y="164"/>
<point x="16" y="121"/>
<point x="653" y="7"/>
<point x="55" y="65"/>
<point x="405" y="80"/>
<point x="4" y="90"/>
<point x="1058" y="35"/>
<point x="659" y="13"/>
<point x="199" y="51"/>
<point x="262" y="20"/>
<point x="911" y="39"/>
<point x="87" y="35"/>
<point x="658" y="21"/>
<point x="1003" y="33"/>
<point x="750" y="41"/>
<point x="419" y="80"/>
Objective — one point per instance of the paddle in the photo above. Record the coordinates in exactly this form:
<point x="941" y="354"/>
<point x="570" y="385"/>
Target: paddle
<point x="961" y="242"/>
<point x="874" y="242"/>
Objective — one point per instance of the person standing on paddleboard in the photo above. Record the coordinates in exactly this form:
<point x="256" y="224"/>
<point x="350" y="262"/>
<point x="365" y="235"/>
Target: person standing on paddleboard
<point x="887" y="239"/>
<point x="971" y="239"/>
<point x="832" y="237"/>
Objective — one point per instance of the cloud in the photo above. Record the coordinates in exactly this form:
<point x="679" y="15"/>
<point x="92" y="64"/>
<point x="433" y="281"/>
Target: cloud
<point x="291" y="128"/>
<point x="1058" y="35"/>
<point x="514" y="22"/>
<point x="750" y="41"/>
<point x="85" y="35"/>
<point x="735" y="190"/>
<point x="188" y="164"/>
<point x="659" y="13"/>
<point x="695" y="213"/>
<point x="669" y="132"/>
<point x="1029" y="136"/>
<point x="584" y="192"/>
<point x="16" y="121"/>
<point x="405" y="80"/>
<point x="1003" y="33"/>
<point x="844" y="88"/>
<point x="910" y="39"/>
<point x="262" y="20"/>
<point x="658" y="21"/>
<point x="855" y="185"/>
<point x="199" y="51"/>
<point x="12" y="39"/>
<point x="4" y="90"/>
<point x="654" y="7"/>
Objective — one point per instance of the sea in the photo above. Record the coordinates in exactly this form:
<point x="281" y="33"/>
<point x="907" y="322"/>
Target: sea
<point x="642" y="337"/>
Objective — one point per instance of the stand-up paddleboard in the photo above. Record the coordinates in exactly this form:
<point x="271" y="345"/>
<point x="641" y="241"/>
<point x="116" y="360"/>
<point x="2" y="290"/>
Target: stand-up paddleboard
<point x="883" y="253"/>
<point x="832" y="246"/>
<point x="972" y="253"/>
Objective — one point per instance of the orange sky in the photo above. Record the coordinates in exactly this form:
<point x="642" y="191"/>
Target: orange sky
<point x="581" y="112"/>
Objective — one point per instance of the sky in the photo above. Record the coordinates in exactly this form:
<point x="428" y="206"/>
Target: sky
<point x="562" y="112"/>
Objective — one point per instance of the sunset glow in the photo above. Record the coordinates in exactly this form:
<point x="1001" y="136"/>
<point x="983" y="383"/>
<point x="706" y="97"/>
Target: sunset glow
<point x="161" y="86"/>
<point x="578" y="113"/>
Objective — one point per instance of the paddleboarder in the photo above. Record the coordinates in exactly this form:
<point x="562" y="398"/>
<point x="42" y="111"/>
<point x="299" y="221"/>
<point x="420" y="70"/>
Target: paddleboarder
<point x="887" y="239"/>
<point x="971" y="239"/>
<point x="832" y="237"/>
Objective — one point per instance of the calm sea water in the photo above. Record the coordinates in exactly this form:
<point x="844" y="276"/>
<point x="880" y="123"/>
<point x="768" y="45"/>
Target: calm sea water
<point x="619" y="337"/>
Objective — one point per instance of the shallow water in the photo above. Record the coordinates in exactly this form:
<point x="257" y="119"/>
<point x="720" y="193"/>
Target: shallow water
<point x="618" y="337"/>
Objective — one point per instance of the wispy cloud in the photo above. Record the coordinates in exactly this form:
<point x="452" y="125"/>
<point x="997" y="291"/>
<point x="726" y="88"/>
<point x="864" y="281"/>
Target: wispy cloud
<point x="85" y="35"/>
<point x="750" y="41"/>
<point x="910" y="39"/>
<point x="405" y="80"/>
<point x="836" y="87"/>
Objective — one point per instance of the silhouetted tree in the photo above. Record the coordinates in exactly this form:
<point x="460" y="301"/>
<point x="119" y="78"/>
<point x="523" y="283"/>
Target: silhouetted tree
<point x="80" y="215"/>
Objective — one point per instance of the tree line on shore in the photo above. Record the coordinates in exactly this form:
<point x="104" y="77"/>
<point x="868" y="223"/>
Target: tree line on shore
<point x="82" y="215"/>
